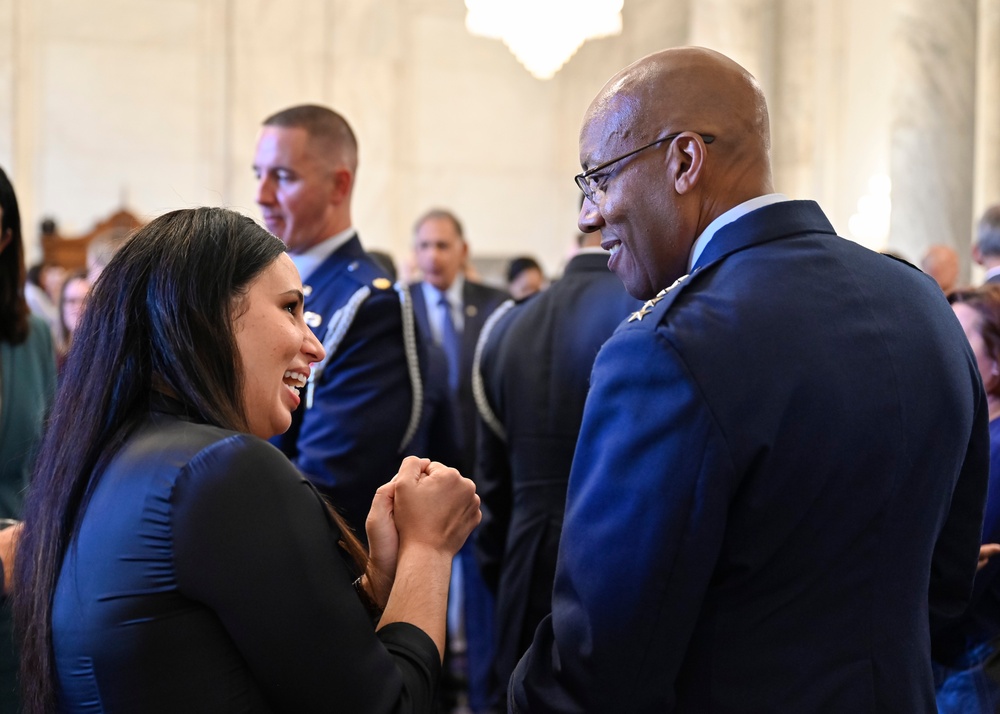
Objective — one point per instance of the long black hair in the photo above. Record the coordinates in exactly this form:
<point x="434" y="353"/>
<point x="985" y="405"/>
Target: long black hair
<point x="160" y="317"/>
<point x="13" y="308"/>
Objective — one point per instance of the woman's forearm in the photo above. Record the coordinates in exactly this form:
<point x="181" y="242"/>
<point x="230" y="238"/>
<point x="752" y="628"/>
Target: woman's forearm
<point x="420" y="592"/>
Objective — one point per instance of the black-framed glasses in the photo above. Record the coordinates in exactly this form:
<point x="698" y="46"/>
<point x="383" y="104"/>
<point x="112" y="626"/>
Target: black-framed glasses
<point x="590" y="187"/>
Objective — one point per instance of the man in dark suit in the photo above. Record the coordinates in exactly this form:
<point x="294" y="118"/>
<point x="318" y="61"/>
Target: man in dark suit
<point x="986" y="249"/>
<point x="767" y="499"/>
<point x="358" y="412"/>
<point x="534" y="373"/>
<point x="450" y="311"/>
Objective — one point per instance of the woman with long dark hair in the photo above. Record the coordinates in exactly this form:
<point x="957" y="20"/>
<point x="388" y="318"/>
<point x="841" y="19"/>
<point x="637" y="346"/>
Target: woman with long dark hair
<point x="171" y="559"/>
<point x="27" y="384"/>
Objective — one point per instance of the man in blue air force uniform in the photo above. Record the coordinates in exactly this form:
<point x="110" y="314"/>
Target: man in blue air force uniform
<point x="782" y="465"/>
<point x="360" y="408"/>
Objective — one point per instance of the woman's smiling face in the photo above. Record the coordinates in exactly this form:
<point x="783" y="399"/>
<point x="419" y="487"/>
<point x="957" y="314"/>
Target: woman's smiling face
<point x="276" y="347"/>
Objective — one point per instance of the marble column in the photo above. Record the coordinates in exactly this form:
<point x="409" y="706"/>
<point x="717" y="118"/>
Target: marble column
<point x="19" y="107"/>
<point x="793" y="102"/>
<point x="987" y="161"/>
<point x="932" y="134"/>
<point x="7" y="74"/>
<point x="744" y="30"/>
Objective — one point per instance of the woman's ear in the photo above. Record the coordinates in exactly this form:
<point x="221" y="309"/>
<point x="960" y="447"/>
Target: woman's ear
<point x="687" y="157"/>
<point x="6" y="238"/>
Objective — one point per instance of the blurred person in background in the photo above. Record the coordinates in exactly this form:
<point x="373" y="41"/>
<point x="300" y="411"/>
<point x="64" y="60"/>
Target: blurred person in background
<point x="71" y="298"/>
<point x="524" y="277"/>
<point x="941" y="263"/>
<point x="27" y="385"/>
<point x="961" y="647"/>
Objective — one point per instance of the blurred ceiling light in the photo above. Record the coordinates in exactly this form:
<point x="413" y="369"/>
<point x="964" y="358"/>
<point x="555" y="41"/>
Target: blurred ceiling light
<point x="543" y="34"/>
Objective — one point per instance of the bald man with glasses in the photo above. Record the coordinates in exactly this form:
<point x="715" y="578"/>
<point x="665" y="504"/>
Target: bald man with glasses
<point x="767" y="506"/>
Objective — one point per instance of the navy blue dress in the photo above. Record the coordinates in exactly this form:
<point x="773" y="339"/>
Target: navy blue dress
<point x="207" y="577"/>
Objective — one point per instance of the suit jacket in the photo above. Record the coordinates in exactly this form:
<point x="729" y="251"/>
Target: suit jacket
<point x="535" y="367"/>
<point x="348" y="442"/>
<point x="456" y="444"/>
<point x="781" y="471"/>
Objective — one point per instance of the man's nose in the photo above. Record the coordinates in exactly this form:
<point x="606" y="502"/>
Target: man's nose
<point x="590" y="218"/>
<point x="265" y="191"/>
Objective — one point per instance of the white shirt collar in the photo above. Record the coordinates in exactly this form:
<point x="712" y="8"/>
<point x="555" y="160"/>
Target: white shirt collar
<point x="728" y="217"/>
<point x="308" y="261"/>
<point x="454" y="293"/>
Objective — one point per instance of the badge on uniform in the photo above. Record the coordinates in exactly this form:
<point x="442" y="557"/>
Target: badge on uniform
<point x="648" y="306"/>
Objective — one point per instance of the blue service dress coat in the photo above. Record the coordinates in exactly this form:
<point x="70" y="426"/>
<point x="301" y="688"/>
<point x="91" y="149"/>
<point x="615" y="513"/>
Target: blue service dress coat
<point x="781" y="472"/>
<point x="535" y="370"/>
<point x="348" y="435"/>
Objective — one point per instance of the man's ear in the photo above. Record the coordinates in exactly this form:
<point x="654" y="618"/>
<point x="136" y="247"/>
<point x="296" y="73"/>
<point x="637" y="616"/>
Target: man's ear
<point x="977" y="255"/>
<point x="343" y="181"/>
<point x="687" y="156"/>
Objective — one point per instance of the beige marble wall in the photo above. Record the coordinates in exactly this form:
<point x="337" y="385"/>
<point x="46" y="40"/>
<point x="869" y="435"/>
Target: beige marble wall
<point x="933" y="129"/>
<point x="157" y="102"/>
<point x="987" y="147"/>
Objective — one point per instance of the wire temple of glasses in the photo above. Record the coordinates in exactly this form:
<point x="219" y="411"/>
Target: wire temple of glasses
<point x="581" y="179"/>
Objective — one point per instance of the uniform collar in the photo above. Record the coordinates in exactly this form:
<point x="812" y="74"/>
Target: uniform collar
<point x="728" y="217"/>
<point x="308" y="261"/>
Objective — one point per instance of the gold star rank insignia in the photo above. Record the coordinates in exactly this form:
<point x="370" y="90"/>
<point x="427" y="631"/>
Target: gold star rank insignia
<point x="381" y="283"/>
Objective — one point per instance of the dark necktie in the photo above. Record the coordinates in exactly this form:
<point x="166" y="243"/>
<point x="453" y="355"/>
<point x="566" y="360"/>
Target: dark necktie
<point x="449" y="341"/>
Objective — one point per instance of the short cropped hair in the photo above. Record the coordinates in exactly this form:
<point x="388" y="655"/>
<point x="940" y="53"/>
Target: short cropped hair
<point x="441" y="214"/>
<point x="321" y="124"/>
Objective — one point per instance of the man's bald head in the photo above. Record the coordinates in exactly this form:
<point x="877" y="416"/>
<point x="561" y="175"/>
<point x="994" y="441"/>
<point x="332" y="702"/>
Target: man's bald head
<point x="941" y="263"/>
<point x="690" y="89"/>
<point x="655" y="203"/>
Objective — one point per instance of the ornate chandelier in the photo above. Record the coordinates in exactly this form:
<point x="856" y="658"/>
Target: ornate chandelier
<point x="543" y="34"/>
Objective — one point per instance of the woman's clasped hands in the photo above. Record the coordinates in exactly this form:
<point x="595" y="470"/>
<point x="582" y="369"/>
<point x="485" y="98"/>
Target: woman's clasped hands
<point x="428" y="509"/>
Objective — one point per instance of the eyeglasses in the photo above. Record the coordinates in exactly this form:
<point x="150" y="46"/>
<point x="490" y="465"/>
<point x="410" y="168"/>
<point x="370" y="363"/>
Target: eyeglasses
<point x="591" y="187"/>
